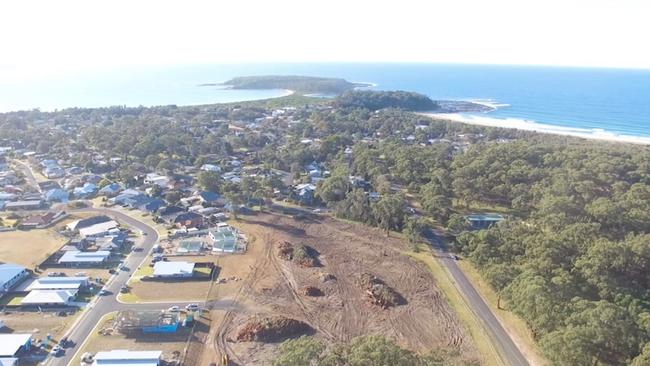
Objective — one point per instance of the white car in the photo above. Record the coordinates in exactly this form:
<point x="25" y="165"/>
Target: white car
<point x="192" y="307"/>
<point x="174" y="309"/>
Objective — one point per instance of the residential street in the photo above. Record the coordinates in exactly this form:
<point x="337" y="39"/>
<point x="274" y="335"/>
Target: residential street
<point x="509" y="352"/>
<point x="103" y="305"/>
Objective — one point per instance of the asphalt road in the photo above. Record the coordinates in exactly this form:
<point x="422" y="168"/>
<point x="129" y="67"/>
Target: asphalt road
<point x="510" y="354"/>
<point x="103" y="305"/>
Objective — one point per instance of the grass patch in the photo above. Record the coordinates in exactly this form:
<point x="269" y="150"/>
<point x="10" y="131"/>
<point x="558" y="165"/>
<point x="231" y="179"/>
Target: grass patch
<point x="203" y="271"/>
<point x="514" y="325"/>
<point x="129" y="298"/>
<point x="482" y="341"/>
<point x="11" y="300"/>
<point x="143" y="271"/>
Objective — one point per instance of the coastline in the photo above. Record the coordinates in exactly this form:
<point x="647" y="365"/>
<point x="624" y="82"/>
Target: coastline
<point x="526" y="125"/>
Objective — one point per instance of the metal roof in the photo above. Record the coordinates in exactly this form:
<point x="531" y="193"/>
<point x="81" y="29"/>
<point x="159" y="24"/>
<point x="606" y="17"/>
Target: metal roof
<point x="75" y="256"/>
<point x="37" y="297"/>
<point x="173" y="268"/>
<point x="128" y="358"/>
<point x="11" y="343"/>
<point x="8" y="271"/>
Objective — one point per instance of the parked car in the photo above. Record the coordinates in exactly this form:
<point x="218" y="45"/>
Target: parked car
<point x="174" y="309"/>
<point x="55" y="274"/>
<point x="56" y="351"/>
<point x="192" y="307"/>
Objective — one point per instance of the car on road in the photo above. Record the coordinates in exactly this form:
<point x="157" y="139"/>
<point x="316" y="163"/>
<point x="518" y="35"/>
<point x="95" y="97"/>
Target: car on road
<point x="103" y="292"/>
<point x="56" y="351"/>
<point x="124" y="289"/>
<point x="174" y="309"/>
<point x="192" y="307"/>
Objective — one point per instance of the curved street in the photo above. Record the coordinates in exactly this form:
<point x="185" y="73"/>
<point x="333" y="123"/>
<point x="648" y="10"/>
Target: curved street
<point x="102" y="305"/>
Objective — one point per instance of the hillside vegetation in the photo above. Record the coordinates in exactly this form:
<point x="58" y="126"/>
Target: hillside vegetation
<point x="299" y="84"/>
<point x="374" y="100"/>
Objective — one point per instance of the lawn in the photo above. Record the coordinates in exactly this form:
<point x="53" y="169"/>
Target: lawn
<point x="11" y="300"/>
<point x="29" y="248"/>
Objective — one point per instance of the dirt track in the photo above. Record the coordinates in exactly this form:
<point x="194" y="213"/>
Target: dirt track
<point x="346" y="250"/>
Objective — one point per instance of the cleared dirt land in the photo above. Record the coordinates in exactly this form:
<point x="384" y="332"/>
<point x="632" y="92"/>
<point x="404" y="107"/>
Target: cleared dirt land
<point x="342" y="309"/>
<point x="29" y="248"/>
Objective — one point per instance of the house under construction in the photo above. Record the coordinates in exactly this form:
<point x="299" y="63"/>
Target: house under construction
<point x="129" y="321"/>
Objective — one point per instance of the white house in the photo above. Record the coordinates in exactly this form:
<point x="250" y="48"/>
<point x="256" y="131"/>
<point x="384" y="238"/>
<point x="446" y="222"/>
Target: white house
<point x="173" y="269"/>
<point x="156" y="179"/>
<point x="124" y="357"/>
<point x="58" y="283"/>
<point x="77" y="258"/>
<point x="13" y="343"/>
<point x="99" y="229"/>
<point x="10" y="276"/>
<point x="49" y="297"/>
<point x="210" y="168"/>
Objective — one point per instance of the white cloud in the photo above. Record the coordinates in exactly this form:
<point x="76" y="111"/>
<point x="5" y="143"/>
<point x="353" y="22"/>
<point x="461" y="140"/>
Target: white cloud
<point x="50" y="36"/>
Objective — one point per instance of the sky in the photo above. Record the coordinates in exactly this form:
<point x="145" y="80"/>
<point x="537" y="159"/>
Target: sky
<point x="44" y="37"/>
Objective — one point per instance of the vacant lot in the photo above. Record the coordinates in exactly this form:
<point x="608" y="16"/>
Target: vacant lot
<point x="40" y="324"/>
<point x="274" y="286"/>
<point x="29" y="248"/>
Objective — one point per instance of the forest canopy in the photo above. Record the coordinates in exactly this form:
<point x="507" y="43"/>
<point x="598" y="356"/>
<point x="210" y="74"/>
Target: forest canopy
<point x="374" y="100"/>
<point x="299" y="84"/>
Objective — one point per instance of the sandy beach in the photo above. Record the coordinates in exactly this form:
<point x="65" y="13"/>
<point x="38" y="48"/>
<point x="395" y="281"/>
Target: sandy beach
<point x="538" y="127"/>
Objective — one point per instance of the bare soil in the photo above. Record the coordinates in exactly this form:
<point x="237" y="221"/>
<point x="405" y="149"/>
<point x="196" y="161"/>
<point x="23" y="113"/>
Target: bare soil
<point x="273" y="287"/>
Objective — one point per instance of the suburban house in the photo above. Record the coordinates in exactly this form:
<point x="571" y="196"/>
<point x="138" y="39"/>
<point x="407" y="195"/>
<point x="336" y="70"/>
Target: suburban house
<point x="110" y="243"/>
<point x="189" y="246"/>
<point x="75" y="258"/>
<point x="483" y="221"/>
<point x="49" y="298"/>
<point x="156" y="179"/>
<point x="58" y="283"/>
<point x="86" y="191"/>
<point x="10" y="276"/>
<point x="110" y="190"/>
<point x="13" y="344"/>
<point x="188" y="220"/>
<point x="53" y="172"/>
<point x="100" y="229"/>
<point x="24" y="205"/>
<point x="42" y="220"/>
<point x="223" y="238"/>
<point x="152" y="205"/>
<point x="304" y="193"/>
<point x="169" y="213"/>
<point x="210" y="168"/>
<point x="56" y="195"/>
<point x="173" y="269"/>
<point x="80" y="224"/>
<point x="122" y="357"/>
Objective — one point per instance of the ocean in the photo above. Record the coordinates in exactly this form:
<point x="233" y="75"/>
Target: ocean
<point x="608" y="103"/>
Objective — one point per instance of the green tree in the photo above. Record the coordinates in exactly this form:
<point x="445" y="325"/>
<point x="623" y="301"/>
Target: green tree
<point x="389" y="212"/>
<point x="302" y="351"/>
<point x="209" y="181"/>
<point x="457" y="224"/>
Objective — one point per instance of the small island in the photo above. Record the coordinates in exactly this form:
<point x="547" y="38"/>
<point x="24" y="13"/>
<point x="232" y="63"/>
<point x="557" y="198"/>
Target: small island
<point x="298" y="84"/>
